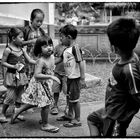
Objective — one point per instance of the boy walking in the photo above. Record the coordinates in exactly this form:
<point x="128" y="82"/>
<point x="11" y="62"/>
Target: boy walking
<point x="74" y="68"/>
<point x="122" y="100"/>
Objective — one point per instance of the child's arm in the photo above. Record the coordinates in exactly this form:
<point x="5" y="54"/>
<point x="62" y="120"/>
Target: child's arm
<point x="82" y="74"/>
<point x="32" y="41"/>
<point x="58" y="60"/>
<point x="29" y="59"/>
<point x="4" y="59"/>
<point x="82" y="70"/>
<point x="40" y="76"/>
<point x="78" y="58"/>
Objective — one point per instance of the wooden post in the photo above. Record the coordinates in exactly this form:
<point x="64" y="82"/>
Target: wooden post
<point x="110" y="15"/>
<point x="51" y="26"/>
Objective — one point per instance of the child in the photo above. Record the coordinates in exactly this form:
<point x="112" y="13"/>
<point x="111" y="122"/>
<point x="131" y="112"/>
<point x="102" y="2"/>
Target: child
<point x="60" y="74"/>
<point x="31" y="33"/>
<point x="122" y="100"/>
<point x="38" y="92"/>
<point x="74" y="68"/>
<point x="15" y="78"/>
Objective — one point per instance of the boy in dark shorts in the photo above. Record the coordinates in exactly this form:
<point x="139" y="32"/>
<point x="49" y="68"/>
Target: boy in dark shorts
<point x="59" y="72"/>
<point x="74" y="68"/>
<point x="122" y="99"/>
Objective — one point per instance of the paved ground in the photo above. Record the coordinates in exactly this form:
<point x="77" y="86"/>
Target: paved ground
<point x="31" y="127"/>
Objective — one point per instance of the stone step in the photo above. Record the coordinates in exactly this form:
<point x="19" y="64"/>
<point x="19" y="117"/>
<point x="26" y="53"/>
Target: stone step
<point x="92" y="81"/>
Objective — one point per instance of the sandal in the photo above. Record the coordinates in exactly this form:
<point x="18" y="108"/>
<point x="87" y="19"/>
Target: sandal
<point x="51" y="129"/>
<point x="3" y="119"/>
<point x="54" y="110"/>
<point x="63" y="118"/>
<point x="73" y="124"/>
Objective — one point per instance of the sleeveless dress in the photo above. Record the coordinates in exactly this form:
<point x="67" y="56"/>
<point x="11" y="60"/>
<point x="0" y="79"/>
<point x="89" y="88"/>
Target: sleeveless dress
<point x="10" y="78"/>
<point x="39" y="93"/>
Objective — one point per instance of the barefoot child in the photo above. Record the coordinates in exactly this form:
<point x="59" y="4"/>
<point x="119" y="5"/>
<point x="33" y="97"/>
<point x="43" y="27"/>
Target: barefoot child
<point x="39" y="92"/>
<point x="15" y="78"/>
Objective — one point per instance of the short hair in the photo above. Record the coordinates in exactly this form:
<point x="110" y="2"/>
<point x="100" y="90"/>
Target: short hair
<point x="123" y="34"/>
<point x="35" y="12"/>
<point x="41" y="41"/>
<point x="13" y="32"/>
<point x="69" y="30"/>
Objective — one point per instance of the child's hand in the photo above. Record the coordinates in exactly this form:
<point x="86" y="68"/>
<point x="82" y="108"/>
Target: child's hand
<point x="82" y="83"/>
<point x="56" y="79"/>
<point x="24" y="48"/>
<point x="16" y="66"/>
<point x="33" y="41"/>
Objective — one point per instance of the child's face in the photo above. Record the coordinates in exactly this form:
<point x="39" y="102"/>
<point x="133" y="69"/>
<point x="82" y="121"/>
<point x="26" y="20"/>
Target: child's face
<point x="38" y="20"/>
<point x="19" y="39"/>
<point x="47" y="50"/>
<point x="64" y="40"/>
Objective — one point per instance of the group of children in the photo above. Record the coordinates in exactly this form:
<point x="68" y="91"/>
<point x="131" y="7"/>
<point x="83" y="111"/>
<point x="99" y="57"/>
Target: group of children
<point x="30" y="60"/>
<point x="50" y="70"/>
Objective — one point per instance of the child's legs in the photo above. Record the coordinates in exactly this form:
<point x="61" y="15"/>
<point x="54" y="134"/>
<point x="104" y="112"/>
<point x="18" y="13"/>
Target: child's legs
<point x="9" y="99"/>
<point x="22" y="109"/>
<point x="45" y="114"/>
<point x="76" y="108"/>
<point x="95" y="122"/>
<point x="19" y="92"/>
<point x="56" y="89"/>
<point x="64" y="84"/>
<point x="74" y="95"/>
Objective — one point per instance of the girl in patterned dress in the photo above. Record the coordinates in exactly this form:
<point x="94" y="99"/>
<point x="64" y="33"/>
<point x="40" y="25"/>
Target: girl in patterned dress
<point x="15" y="78"/>
<point x="39" y="93"/>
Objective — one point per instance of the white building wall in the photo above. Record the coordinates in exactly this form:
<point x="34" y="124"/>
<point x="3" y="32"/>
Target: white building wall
<point x="23" y="10"/>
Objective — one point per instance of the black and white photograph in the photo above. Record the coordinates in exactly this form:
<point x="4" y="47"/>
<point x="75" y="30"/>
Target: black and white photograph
<point x="70" y="69"/>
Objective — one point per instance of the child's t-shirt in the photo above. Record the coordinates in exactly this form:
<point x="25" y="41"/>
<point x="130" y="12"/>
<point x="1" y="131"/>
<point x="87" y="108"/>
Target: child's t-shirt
<point x="71" y="59"/>
<point x="58" y="52"/>
<point x="124" y="82"/>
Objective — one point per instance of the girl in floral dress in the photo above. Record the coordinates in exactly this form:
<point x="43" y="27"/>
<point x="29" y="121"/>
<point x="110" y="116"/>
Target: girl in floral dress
<point x="39" y="91"/>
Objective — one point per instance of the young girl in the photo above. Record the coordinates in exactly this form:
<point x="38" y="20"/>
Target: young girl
<point x="31" y="33"/>
<point x="15" y="78"/>
<point x="38" y="92"/>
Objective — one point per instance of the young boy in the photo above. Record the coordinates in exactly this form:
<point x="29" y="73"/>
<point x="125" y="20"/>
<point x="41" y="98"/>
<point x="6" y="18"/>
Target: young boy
<point x="122" y="100"/>
<point x="59" y="72"/>
<point x="74" y="68"/>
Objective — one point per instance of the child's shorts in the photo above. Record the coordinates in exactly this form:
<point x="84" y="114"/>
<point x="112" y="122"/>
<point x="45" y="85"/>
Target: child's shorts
<point x="13" y="95"/>
<point x="106" y="126"/>
<point x="56" y="87"/>
<point x="73" y="89"/>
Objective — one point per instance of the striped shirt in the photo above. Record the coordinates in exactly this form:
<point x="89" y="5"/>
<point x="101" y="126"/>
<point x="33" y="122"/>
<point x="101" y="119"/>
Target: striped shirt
<point x="124" y="82"/>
